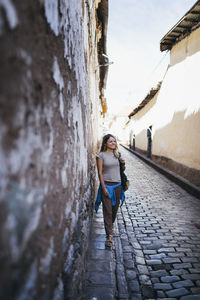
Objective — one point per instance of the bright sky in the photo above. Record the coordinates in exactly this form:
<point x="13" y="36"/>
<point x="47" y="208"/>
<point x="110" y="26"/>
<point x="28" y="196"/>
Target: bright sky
<point x="135" y="28"/>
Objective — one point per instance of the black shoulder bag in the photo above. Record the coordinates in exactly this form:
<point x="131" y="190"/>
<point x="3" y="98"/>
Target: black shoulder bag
<point x="124" y="179"/>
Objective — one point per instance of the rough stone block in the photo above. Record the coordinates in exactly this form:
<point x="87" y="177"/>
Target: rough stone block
<point x="158" y="256"/>
<point x="183" y="283"/>
<point x="179" y="272"/>
<point x="134" y="286"/>
<point x="152" y="262"/>
<point x="143" y="269"/>
<point x="189" y="260"/>
<point x="191" y="276"/>
<point x="191" y="297"/>
<point x="149" y="251"/>
<point x="195" y="290"/>
<point x="160" y="294"/>
<point x="159" y="273"/>
<point x="162" y="286"/>
<point x="166" y="250"/>
<point x="148" y="292"/>
<point x="169" y="279"/>
<point x="140" y="260"/>
<point x="182" y="266"/>
<point x="176" y="254"/>
<point x="130" y="274"/>
<point x="169" y="260"/>
<point x="177" y="292"/>
<point x="155" y="280"/>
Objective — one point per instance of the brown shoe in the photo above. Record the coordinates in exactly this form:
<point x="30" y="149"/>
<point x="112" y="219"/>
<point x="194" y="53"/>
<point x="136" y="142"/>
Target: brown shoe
<point x="108" y="242"/>
<point x="197" y="225"/>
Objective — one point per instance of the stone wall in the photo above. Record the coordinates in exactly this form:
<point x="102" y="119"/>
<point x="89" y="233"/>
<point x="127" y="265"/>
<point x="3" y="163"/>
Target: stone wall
<point x="49" y="111"/>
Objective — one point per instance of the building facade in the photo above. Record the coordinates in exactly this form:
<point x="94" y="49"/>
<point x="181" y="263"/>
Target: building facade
<point x="51" y="93"/>
<point x="167" y="126"/>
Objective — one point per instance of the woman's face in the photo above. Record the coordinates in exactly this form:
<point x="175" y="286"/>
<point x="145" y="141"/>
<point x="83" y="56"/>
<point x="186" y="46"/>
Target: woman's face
<point x="111" y="143"/>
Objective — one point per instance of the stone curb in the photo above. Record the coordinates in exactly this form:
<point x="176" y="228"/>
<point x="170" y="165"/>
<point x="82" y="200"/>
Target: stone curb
<point x="182" y="182"/>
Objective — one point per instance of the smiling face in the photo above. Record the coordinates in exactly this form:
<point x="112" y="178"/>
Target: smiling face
<point x="111" y="143"/>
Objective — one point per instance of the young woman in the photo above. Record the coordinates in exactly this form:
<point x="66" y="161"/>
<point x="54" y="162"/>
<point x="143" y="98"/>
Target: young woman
<point x="110" y="190"/>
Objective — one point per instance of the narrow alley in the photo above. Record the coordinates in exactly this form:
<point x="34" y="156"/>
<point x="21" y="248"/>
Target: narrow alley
<point x="156" y="249"/>
<point x="71" y="73"/>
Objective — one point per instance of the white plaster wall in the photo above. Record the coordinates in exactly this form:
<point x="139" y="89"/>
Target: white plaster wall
<point x="175" y="117"/>
<point x="186" y="47"/>
<point x="141" y="122"/>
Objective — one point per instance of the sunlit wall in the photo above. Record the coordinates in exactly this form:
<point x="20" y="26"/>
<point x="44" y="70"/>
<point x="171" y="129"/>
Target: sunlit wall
<point x="175" y="114"/>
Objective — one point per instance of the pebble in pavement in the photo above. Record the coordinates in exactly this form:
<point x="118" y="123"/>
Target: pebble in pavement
<point x="156" y="246"/>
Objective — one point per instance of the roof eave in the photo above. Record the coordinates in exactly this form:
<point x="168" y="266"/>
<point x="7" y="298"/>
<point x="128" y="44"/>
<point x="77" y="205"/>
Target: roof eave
<point x="146" y="100"/>
<point x="182" y="28"/>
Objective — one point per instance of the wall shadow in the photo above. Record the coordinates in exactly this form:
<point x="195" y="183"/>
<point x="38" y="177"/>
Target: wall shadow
<point x="182" y="137"/>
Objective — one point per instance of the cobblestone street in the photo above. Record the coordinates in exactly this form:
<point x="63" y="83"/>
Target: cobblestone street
<point x="156" y="247"/>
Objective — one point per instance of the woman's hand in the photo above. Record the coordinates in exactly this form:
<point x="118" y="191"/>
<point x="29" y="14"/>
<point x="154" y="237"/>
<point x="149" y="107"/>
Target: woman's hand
<point x="122" y="160"/>
<point x="123" y="163"/>
<point x="105" y="191"/>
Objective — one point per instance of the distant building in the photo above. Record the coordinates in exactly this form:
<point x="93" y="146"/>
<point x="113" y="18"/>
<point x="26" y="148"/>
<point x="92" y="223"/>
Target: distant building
<point x="166" y="124"/>
<point x="116" y="124"/>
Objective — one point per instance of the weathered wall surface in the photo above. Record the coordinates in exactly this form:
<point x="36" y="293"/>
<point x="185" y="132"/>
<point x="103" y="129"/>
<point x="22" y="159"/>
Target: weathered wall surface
<point x="141" y="121"/>
<point x="48" y="130"/>
<point x="176" y="114"/>
<point x="177" y="133"/>
<point x="185" y="48"/>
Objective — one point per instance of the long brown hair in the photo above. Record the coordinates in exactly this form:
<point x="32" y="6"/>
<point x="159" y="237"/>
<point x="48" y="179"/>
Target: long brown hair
<point x="104" y="147"/>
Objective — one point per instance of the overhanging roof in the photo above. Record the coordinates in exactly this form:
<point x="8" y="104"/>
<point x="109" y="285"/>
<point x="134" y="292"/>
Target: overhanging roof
<point x="189" y="22"/>
<point x="146" y="100"/>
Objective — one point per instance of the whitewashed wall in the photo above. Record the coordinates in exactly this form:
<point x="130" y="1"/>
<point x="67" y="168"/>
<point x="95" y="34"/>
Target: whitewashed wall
<point x="175" y="112"/>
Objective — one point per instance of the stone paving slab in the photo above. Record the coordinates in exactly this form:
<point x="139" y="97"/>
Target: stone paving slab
<point x="156" y="245"/>
<point x="100" y="268"/>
